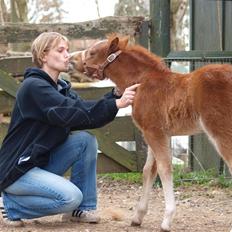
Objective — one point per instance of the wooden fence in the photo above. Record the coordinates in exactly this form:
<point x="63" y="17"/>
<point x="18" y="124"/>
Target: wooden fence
<point x="113" y="157"/>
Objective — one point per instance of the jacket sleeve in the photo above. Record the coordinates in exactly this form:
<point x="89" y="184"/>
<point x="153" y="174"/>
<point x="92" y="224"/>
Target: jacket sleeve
<point x="40" y="101"/>
<point x="110" y="95"/>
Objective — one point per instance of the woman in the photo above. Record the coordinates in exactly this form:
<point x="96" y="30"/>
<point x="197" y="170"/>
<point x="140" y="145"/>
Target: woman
<point x="41" y="144"/>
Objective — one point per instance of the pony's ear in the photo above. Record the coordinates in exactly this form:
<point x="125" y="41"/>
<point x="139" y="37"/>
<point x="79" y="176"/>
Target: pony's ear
<point x="113" y="45"/>
<point x="124" y="41"/>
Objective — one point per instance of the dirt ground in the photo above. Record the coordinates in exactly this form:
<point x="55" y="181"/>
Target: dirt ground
<point x="198" y="209"/>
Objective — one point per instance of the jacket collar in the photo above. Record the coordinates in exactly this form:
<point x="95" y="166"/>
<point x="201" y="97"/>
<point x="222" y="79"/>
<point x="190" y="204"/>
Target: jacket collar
<point x="62" y="85"/>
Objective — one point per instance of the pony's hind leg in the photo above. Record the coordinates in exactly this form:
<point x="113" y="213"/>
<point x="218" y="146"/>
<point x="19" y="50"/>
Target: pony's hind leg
<point x="220" y="136"/>
<point x="149" y="174"/>
<point x="224" y="148"/>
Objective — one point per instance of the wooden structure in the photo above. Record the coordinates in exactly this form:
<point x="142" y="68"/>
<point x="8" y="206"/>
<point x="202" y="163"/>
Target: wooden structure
<point x="113" y="158"/>
<point x="210" y="30"/>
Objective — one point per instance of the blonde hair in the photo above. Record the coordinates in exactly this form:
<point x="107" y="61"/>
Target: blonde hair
<point x="43" y="44"/>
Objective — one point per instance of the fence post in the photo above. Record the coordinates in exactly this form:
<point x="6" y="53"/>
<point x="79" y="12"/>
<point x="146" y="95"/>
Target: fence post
<point x="160" y="27"/>
<point x="141" y="37"/>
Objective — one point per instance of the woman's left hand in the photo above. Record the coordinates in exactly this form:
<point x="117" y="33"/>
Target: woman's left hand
<point x="127" y="97"/>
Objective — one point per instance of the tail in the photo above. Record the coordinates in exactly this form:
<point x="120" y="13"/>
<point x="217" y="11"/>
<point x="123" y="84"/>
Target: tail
<point x="114" y="214"/>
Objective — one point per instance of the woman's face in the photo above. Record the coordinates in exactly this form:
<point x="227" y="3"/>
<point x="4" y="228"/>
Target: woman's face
<point x="57" y="59"/>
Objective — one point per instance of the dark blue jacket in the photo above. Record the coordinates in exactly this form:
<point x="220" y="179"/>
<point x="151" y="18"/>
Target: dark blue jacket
<point x="42" y="118"/>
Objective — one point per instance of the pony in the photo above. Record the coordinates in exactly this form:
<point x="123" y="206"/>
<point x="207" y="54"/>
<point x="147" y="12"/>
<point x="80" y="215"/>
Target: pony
<point x="166" y="104"/>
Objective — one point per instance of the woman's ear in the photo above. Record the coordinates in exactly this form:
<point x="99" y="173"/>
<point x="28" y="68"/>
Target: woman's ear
<point x="43" y="57"/>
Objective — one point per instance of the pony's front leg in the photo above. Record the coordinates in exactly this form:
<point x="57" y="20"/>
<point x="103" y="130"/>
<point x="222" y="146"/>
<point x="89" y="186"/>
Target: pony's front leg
<point x="160" y="146"/>
<point x="149" y="174"/>
<point x="170" y="206"/>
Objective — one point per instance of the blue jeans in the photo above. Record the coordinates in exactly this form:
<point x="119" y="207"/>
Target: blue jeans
<point x="43" y="191"/>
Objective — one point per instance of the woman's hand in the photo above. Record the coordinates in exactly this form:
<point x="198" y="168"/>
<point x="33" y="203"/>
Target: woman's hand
<point x="128" y="97"/>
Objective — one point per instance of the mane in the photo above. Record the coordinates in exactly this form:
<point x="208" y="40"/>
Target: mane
<point x="140" y="53"/>
<point x="148" y="58"/>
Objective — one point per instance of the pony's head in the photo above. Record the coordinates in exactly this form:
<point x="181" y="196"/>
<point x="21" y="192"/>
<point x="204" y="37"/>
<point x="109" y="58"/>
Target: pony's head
<point x="76" y="61"/>
<point x="96" y="58"/>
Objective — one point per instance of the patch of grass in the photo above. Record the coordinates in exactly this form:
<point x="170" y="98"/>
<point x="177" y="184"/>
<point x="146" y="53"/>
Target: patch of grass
<point x="132" y="177"/>
<point x="205" y="178"/>
<point x="181" y="177"/>
<point x="222" y="182"/>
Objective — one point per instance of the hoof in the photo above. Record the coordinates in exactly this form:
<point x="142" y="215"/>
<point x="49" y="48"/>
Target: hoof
<point x="135" y="224"/>
<point x="162" y="230"/>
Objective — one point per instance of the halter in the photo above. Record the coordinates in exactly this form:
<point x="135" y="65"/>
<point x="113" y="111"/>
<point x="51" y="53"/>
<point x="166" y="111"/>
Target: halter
<point x="99" y="73"/>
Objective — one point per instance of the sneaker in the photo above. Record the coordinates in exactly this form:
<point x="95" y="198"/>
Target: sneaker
<point x="82" y="216"/>
<point x="6" y="221"/>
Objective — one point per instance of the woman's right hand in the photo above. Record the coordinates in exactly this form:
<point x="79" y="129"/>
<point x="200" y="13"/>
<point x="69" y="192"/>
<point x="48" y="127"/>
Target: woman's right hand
<point x="127" y="97"/>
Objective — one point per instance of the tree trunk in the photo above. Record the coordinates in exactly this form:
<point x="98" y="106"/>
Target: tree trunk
<point x="19" y="13"/>
<point x="3" y="19"/>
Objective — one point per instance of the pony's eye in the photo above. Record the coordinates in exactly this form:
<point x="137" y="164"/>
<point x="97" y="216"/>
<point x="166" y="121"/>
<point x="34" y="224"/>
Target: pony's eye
<point x="91" y="53"/>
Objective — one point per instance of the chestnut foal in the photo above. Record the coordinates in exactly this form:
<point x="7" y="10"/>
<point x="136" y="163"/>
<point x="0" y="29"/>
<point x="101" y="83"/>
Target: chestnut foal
<point x="166" y="104"/>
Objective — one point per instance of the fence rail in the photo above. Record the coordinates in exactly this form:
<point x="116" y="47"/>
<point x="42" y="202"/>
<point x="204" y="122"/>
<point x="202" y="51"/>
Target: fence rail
<point x="94" y="29"/>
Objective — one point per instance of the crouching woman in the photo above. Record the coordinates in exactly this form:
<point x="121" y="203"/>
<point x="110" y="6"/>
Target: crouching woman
<point x="46" y="137"/>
